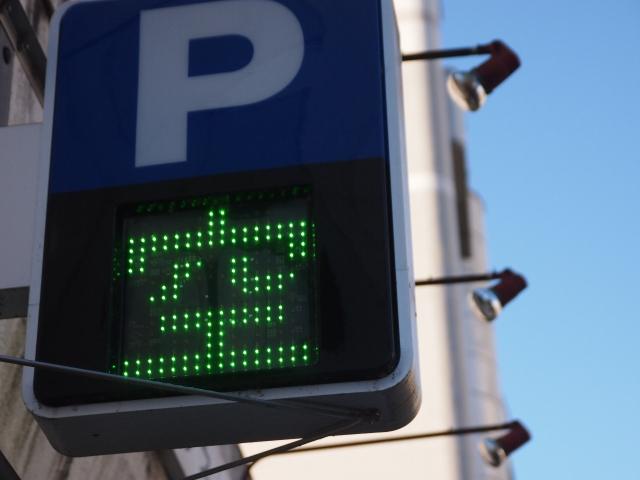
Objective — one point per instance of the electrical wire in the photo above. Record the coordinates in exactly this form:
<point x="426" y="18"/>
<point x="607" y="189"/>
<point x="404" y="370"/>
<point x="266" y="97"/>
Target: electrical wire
<point x="314" y="407"/>
<point x="322" y="433"/>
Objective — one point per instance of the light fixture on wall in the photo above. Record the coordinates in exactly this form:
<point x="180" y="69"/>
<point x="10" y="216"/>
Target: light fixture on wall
<point x="495" y="450"/>
<point x="486" y="303"/>
<point x="469" y="89"/>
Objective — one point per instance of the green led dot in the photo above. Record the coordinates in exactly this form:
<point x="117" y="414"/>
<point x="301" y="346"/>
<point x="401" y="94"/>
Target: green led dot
<point x="162" y="329"/>
<point x="279" y="226"/>
<point x="305" y="358"/>
<point x="233" y="364"/>
<point x="176" y="246"/>
<point x="211" y="213"/>
<point x="184" y="368"/>
<point x="221" y="366"/>
<point x="174" y="327"/>
<point x="131" y="240"/>
<point x="161" y="371"/>
<point x="291" y="245"/>
<point x="165" y="248"/>
<point x="303" y="223"/>
<point x="137" y="373"/>
<point x="244" y="363"/>
<point x="293" y="359"/>
<point x="125" y="374"/>
<point x="291" y="255"/>
<point x="244" y="352"/>
<point x="143" y="240"/>
<point x="291" y="275"/>
<point x="256" y="238"/>
<point x="281" y="360"/>
<point x="280" y="287"/>
<point x="281" y="349"/>
<point x="131" y="251"/>
<point x="152" y="299"/>
<point x="256" y="361"/>
<point x="149" y="372"/>
<point x="141" y="269"/>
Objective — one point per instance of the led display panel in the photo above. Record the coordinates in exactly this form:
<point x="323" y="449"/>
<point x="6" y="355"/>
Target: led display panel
<point x="216" y="285"/>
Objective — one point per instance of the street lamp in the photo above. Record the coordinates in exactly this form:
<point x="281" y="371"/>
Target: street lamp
<point x="495" y="450"/>
<point x="469" y="90"/>
<point x="486" y="303"/>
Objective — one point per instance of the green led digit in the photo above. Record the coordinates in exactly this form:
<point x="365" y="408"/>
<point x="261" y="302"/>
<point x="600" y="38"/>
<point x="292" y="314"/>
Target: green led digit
<point x="226" y="287"/>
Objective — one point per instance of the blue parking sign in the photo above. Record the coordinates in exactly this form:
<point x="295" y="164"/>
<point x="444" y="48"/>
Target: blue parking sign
<point x="144" y="93"/>
<point x="223" y="206"/>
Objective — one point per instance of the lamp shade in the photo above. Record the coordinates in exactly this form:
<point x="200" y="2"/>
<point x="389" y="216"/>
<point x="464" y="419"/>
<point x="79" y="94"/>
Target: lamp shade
<point x="470" y="89"/>
<point x="495" y="450"/>
<point x="487" y="303"/>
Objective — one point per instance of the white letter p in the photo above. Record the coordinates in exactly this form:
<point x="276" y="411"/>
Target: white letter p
<point x="166" y="93"/>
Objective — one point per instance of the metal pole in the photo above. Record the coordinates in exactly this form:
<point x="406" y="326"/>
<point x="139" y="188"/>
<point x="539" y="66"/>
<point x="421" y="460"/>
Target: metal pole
<point x="447" y="53"/>
<point x="442" y="433"/>
<point x="476" y="277"/>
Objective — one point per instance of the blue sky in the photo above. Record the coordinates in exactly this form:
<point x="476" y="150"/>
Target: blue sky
<point x="554" y="155"/>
